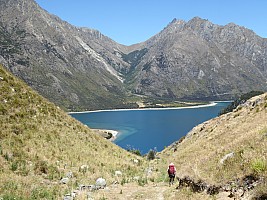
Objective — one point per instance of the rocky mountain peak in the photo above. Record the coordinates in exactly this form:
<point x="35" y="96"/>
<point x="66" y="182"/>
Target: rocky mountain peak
<point x="191" y="60"/>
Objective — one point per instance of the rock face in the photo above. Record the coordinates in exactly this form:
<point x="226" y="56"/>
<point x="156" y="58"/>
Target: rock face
<point x="81" y="69"/>
<point x="199" y="60"/>
<point x="73" y="67"/>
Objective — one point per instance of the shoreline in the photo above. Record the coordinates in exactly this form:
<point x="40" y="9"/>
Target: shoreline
<point x="213" y="103"/>
<point x="106" y="132"/>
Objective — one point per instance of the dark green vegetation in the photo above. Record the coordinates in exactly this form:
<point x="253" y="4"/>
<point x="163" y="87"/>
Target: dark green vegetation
<point x="242" y="99"/>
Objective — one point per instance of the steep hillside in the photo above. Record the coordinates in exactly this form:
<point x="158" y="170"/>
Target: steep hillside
<point x="224" y="152"/>
<point x="41" y="147"/>
<point x="200" y="60"/>
<point x="40" y="144"/>
<point x="76" y="68"/>
<point x="224" y="158"/>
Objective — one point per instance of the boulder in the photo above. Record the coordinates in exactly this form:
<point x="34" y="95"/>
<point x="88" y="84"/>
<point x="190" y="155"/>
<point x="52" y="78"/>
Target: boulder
<point x="101" y="183"/>
<point x="226" y="157"/>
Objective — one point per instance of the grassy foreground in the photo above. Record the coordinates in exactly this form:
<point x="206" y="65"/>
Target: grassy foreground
<point x="241" y="134"/>
<point x="40" y="144"/>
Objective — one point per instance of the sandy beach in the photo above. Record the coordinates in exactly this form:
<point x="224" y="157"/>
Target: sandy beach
<point x="168" y="108"/>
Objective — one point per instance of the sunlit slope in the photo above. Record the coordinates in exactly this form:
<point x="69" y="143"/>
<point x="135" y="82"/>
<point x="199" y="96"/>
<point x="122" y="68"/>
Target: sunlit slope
<point x="40" y="144"/>
<point x="224" y="149"/>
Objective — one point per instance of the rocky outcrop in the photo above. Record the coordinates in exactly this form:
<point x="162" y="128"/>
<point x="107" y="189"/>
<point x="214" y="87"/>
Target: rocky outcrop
<point x="235" y="189"/>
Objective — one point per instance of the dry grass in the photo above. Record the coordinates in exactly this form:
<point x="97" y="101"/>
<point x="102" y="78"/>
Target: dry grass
<point x="40" y="143"/>
<point x="243" y="132"/>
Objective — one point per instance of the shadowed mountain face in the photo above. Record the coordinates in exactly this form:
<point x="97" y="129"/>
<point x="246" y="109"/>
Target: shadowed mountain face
<point x="79" y="68"/>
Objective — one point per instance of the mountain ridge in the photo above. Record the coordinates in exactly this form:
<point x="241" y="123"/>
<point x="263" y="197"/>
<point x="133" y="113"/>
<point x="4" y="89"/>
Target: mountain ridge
<point x="82" y="69"/>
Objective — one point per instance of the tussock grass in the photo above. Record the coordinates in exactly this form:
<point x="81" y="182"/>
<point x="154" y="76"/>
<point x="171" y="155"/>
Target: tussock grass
<point x="40" y="143"/>
<point x="242" y="132"/>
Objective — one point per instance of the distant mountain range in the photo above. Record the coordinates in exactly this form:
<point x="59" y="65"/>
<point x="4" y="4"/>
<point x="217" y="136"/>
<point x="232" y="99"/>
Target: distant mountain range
<point x="81" y="69"/>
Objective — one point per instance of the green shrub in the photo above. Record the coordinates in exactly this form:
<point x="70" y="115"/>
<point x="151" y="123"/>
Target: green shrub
<point x="142" y="181"/>
<point x="258" y="165"/>
<point x="133" y="150"/>
<point x="242" y="99"/>
<point x="10" y="197"/>
<point x="41" y="193"/>
<point x="14" y="166"/>
<point x="151" y="154"/>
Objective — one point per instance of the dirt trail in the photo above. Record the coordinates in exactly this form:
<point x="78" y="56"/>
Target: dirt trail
<point x="152" y="191"/>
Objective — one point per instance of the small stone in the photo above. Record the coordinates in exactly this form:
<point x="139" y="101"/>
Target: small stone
<point x="118" y="173"/>
<point x="69" y="175"/>
<point x="226" y="157"/>
<point x="68" y="197"/>
<point x="64" y="180"/>
<point x="84" y="167"/>
<point x="136" y="161"/>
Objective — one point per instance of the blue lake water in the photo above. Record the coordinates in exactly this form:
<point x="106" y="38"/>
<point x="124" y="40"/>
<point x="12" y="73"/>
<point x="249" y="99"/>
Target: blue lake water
<point x="147" y="129"/>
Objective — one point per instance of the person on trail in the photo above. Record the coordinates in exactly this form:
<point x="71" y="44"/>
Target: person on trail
<point x="171" y="172"/>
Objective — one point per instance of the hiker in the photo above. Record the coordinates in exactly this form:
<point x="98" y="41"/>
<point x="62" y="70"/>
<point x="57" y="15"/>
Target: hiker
<point x="171" y="172"/>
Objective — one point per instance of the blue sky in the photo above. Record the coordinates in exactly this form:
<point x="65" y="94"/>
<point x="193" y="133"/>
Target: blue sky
<point x="133" y="21"/>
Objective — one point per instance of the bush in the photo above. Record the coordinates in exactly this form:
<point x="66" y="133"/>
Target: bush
<point x="258" y="166"/>
<point x="151" y="154"/>
<point x="133" y="150"/>
<point x="142" y="181"/>
<point x="242" y="99"/>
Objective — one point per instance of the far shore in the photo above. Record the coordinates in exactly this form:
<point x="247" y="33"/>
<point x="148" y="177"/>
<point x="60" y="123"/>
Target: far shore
<point x="167" y="108"/>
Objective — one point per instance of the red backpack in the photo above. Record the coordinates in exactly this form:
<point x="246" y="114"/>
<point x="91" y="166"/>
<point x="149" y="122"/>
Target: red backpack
<point x="171" y="169"/>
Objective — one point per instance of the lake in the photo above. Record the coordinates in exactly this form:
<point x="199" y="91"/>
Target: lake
<point x="146" y="129"/>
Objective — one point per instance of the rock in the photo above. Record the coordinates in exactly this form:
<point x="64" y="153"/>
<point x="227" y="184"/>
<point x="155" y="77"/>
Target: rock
<point x="226" y="157"/>
<point x="89" y="196"/>
<point x="118" y="173"/>
<point x="64" y="180"/>
<point x="135" y="161"/>
<point x="68" y="197"/>
<point x="69" y="174"/>
<point x="101" y="183"/>
<point x="148" y="171"/>
<point x="86" y="187"/>
<point x="84" y="167"/>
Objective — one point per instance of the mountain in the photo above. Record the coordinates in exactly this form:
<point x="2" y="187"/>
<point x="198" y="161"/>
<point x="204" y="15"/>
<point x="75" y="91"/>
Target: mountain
<point x="40" y="144"/>
<point x="77" y="68"/>
<point x="201" y="60"/>
<point x="81" y="69"/>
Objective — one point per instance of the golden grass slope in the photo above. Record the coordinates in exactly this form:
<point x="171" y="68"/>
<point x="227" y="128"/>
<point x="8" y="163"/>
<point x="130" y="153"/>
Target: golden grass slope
<point x="40" y="143"/>
<point x="243" y="132"/>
